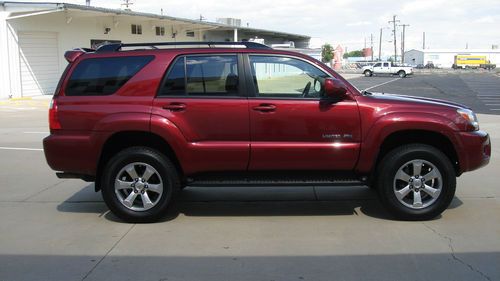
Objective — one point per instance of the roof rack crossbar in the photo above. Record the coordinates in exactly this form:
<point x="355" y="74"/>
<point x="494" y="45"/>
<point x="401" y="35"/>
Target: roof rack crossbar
<point x="113" y="47"/>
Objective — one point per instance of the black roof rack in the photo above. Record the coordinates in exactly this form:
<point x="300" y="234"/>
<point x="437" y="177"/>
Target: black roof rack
<point x="113" y="47"/>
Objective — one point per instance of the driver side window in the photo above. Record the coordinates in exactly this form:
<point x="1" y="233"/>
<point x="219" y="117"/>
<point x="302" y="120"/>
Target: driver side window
<point x="284" y="77"/>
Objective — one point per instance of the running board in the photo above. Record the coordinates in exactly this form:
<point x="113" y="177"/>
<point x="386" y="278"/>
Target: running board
<point x="274" y="180"/>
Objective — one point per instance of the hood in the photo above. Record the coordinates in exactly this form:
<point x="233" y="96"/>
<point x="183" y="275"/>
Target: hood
<point x="417" y="100"/>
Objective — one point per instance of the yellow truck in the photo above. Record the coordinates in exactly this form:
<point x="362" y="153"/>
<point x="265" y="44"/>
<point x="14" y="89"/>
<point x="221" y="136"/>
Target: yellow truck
<point x="470" y="61"/>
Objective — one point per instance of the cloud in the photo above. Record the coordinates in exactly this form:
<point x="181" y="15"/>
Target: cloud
<point x="359" y="23"/>
<point x="448" y="24"/>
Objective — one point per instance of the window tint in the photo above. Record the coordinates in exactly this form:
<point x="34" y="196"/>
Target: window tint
<point x="174" y="84"/>
<point x="212" y="75"/>
<point x="205" y="76"/>
<point x="104" y="76"/>
<point x="286" y="77"/>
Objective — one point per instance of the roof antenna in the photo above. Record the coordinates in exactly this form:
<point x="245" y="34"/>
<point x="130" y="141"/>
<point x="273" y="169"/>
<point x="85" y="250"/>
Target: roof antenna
<point x="127" y="4"/>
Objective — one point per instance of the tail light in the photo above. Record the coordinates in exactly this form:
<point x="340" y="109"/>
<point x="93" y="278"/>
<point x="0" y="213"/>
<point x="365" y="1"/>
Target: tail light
<point x="54" y="123"/>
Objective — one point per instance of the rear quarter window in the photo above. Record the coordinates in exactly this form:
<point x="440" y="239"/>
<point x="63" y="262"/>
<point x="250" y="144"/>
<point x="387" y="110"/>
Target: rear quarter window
<point x="104" y="76"/>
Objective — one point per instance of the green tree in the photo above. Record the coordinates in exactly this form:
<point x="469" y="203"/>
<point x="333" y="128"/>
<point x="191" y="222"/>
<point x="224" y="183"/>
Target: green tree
<point x="326" y="53"/>
<point x="357" y="53"/>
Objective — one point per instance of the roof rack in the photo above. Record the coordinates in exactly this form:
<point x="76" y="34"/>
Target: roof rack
<point x="113" y="47"/>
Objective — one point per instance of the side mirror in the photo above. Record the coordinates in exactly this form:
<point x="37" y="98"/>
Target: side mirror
<point x="334" y="88"/>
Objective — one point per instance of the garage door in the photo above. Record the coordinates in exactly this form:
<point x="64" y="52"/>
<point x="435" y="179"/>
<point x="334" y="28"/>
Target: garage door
<point x="39" y="63"/>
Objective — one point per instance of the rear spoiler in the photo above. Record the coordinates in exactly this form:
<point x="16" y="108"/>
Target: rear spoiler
<point x="72" y="55"/>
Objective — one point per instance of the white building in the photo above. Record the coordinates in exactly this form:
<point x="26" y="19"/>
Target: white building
<point x="34" y="37"/>
<point x="444" y="58"/>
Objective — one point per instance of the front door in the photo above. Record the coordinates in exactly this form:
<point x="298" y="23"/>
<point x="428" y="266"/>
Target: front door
<point x="292" y="127"/>
<point x="201" y="95"/>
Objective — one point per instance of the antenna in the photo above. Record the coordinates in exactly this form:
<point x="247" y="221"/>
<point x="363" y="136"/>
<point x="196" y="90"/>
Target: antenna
<point x="127" y="4"/>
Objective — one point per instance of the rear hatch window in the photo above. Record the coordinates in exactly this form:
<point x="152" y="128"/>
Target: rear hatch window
<point x="104" y="76"/>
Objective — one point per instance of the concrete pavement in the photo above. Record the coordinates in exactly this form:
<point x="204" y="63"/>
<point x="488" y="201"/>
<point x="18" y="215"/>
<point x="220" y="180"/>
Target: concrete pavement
<point x="53" y="229"/>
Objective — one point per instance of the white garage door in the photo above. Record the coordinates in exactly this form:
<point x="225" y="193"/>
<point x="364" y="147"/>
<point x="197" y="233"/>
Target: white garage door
<point x="39" y="63"/>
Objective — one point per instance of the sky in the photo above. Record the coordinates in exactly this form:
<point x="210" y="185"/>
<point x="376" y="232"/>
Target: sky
<point x="447" y="24"/>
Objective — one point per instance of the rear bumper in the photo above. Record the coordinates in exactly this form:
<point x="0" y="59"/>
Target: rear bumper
<point x="474" y="151"/>
<point x="71" y="153"/>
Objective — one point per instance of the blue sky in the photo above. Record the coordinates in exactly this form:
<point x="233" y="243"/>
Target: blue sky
<point x="448" y="24"/>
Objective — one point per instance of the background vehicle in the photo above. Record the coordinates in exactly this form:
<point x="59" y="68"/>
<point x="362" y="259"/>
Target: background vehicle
<point x="144" y="123"/>
<point x="469" y="61"/>
<point x="387" y="68"/>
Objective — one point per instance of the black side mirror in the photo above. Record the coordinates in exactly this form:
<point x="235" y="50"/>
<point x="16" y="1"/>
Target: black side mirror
<point x="334" y="89"/>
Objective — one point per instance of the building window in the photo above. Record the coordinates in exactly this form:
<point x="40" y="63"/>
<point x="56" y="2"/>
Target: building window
<point x="136" y="29"/>
<point x="190" y="33"/>
<point x="160" y="30"/>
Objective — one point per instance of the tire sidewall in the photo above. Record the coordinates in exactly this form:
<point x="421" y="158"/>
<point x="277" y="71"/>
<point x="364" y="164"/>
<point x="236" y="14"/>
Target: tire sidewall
<point x="368" y="73"/>
<point x="391" y="165"/>
<point x="128" y="156"/>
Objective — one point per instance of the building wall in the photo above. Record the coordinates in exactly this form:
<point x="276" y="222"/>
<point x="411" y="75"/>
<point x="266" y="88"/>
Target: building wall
<point x="414" y="57"/>
<point x="445" y="59"/>
<point x="75" y="34"/>
<point x="76" y="29"/>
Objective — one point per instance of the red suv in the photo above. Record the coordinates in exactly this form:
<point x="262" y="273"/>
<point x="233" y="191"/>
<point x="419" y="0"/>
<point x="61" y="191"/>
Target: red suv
<point x="143" y="122"/>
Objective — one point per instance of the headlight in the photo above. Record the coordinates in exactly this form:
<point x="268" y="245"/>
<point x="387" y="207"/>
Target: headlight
<point x="470" y="117"/>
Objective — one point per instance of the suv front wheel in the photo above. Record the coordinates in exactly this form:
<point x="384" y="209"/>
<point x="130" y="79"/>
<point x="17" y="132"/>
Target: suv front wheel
<point x="416" y="182"/>
<point x="138" y="184"/>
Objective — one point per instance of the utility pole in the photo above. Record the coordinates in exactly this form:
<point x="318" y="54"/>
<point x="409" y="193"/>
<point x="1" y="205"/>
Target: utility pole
<point x="403" y="43"/>
<point x="394" y="21"/>
<point x="380" y="46"/>
<point x="423" y="41"/>
<point x="371" y="44"/>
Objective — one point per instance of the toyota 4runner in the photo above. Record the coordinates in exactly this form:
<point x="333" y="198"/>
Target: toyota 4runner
<point x="145" y="120"/>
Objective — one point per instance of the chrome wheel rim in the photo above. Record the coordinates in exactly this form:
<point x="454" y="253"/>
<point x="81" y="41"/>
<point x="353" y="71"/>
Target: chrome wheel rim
<point x="138" y="186"/>
<point x="417" y="184"/>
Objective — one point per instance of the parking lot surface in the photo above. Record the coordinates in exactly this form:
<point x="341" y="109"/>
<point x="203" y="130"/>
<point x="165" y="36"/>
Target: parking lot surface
<point x="52" y="229"/>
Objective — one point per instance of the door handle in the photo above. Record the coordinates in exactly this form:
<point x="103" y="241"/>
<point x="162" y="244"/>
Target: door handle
<point x="265" y="107"/>
<point x="175" y="107"/>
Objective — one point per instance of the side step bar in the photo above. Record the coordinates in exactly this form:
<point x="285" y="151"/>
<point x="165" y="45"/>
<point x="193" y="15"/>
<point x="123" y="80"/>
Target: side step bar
<point x="275" y="183"/>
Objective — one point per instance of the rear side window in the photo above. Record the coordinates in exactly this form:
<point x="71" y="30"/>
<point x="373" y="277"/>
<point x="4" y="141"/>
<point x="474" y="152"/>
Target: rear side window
<point x="215" y="75"/>
<point x="104" y="76"/>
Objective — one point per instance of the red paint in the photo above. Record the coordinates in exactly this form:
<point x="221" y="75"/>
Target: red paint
<point x="239" y="134"/>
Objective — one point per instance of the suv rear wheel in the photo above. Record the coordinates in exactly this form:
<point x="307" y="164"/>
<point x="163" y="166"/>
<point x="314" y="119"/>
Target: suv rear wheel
<point x="368" y="73"/>
<point x="138" y="184"/>
<point x="402" y="74"/>
<point x="416" y="182"/>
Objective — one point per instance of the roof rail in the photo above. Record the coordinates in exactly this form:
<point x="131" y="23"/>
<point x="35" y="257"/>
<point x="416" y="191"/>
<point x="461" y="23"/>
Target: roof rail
<point x="113" y="47"/>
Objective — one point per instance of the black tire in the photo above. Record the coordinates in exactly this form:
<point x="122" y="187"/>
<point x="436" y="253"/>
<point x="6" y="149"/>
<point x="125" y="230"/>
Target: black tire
<point x="386" y="181"/>
<point x="402" y="74"/>
<point x="368" y="73"/>
<point x="166" y="172"/>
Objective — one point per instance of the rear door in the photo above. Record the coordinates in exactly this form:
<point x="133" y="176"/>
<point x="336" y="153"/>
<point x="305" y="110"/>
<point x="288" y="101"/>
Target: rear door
<point x="386" y="68"/>
<point x="292" y="127"/>
<point x="203" y="97"/>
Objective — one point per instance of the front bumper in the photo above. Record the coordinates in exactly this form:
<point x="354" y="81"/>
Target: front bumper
<point x="474" y="151"/>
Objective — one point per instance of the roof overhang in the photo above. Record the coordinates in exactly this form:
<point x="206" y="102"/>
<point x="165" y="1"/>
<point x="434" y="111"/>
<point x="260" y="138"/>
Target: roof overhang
<point x="26" y="9"/>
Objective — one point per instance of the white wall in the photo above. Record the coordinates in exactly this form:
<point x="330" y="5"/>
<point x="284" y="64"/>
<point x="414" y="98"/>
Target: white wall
<point x="77" y="33"/>
<point x="76" y="28"/>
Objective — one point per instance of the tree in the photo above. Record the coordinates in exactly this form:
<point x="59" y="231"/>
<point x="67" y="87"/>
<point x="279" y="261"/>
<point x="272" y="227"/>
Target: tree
<point x="326" y="53"/>
<point x="357" y="53"/>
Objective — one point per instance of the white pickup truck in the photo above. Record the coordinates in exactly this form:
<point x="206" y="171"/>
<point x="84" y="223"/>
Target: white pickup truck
<point x="389" y="68"/>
